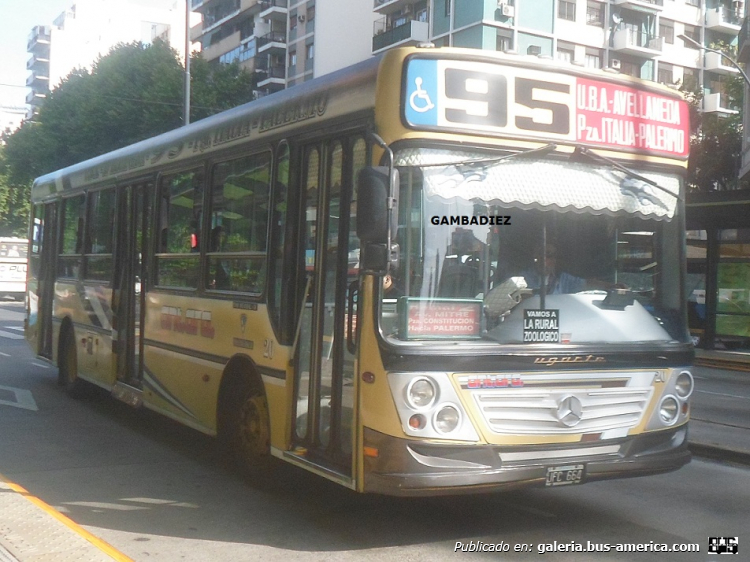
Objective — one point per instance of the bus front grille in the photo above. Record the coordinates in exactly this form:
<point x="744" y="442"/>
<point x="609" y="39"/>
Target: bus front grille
<point x="561" y="410"/>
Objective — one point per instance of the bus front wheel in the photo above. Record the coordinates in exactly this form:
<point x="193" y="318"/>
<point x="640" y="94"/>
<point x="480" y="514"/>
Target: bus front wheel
<point x="244" y="430"/>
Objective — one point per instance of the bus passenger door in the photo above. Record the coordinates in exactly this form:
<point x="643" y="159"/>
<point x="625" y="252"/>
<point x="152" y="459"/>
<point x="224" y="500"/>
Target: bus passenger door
<point x="324" y="420"/>
<point x="131" y="282"/>
<point x="44" y="267"/>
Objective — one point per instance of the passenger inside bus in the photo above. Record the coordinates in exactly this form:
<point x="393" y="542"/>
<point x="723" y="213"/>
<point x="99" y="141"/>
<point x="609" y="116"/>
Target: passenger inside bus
<point x="391" y="289"/>
<point x="557" y="281"/>
<point x="221" y="278"/>
<point x="461" y="276"/>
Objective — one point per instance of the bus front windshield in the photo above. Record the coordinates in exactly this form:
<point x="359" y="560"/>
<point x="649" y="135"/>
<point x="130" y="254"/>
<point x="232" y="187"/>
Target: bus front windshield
<point x="533" y="250"/>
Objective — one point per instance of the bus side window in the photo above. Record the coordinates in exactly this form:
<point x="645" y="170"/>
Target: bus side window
<point x="180" y="212"/>
<point x="239" y="214"/>
<point x="72" y="237"/>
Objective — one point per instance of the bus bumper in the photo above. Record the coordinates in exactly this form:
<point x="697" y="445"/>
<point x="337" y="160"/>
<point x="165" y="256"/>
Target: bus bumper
<point x="412" y="468"/>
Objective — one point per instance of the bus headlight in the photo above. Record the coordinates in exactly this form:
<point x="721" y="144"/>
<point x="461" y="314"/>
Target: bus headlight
<point x="421" y="393"/>
<point x="447" y="419"/>
<point x="684" y="385"/>
<point x="669" y="409"/>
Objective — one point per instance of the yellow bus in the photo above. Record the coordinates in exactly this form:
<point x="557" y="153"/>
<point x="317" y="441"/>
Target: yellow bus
<point x="347" y="275"/>
<point x="13" y="261"/>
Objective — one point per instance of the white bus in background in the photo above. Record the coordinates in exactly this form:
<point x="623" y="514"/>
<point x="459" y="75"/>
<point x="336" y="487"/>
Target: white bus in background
<point x="13" y="262"/>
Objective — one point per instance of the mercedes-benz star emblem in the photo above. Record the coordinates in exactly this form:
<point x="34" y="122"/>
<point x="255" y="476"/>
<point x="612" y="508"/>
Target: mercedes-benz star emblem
<point x="569" y="411"/>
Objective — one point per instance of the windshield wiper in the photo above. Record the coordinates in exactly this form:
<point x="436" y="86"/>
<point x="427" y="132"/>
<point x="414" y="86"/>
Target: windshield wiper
<point x="581" y="153"/>
<point x="479" y="162"/>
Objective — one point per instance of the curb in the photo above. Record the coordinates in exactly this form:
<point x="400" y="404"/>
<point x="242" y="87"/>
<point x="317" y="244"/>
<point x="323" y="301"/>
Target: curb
<point x="714" y="452"/>
<point x="726" y="364"/>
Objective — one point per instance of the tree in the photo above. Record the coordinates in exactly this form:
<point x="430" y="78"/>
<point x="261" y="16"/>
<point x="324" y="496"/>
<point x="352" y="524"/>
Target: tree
<point x="14" y="204"/>
<point x="133" y="93"/>
<point x="716" y="139"/>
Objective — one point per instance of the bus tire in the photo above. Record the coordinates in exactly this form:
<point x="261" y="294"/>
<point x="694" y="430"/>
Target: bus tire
<point x="67" y="376"/>
<point x="244" y="430"/>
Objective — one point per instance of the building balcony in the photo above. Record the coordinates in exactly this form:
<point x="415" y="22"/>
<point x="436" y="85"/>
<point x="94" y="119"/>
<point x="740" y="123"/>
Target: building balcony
<point x="271" y="75"/>
<point x="718" y="103"/>
<point x="411" y="33"/>
<point x="717" y="63"/>
<point x="274" y="10"/>
<point x="34" y="97"/>
<point x="639" y="44"/>
<point x="214" y="51"/>
<point x="272" y="42"/>
<point x="641" y="5"/>
<point x="391" y="6"/>
<point x="267" y="91"/>
<point x="38" y="82"/>
<point x="196" y="32"/>
<point x="723" y="19"/>
<point x="39" y="39"/>
<point x="743" y="43"/>
<point x="38" y="63"/>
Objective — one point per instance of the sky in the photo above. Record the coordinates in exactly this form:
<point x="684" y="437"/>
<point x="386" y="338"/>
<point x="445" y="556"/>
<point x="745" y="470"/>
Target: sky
<point x="17" y="17"/>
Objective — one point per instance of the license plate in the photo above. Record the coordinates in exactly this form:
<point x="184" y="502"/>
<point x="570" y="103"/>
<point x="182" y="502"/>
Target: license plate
<point x="565" y="475"/>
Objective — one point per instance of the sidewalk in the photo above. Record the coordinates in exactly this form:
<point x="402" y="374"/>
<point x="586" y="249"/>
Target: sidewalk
<point x="32" y="531"/>
<point x="710" y="437"/>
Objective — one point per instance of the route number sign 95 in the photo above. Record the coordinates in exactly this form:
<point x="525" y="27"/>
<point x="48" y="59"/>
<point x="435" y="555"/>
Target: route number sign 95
<point x="513" y="101"/>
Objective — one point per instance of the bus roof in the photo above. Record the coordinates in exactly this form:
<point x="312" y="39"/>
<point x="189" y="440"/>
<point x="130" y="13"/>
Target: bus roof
<point x="340" y="93"/>
<point x="336" y="94"/>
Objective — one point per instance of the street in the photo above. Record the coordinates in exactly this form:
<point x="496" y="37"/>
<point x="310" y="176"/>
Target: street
<point x="157" y="491"/>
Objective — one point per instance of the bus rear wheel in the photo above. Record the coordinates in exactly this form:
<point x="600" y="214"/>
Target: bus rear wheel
<point x="245" y="432"/>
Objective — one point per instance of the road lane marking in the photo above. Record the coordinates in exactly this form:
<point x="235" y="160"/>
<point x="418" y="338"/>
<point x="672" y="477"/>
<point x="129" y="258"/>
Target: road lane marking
<point x="42" y="365"/>
<point x="24" y="398"/>
<point x="11" y="335"/>
<point x="4" y="354"/>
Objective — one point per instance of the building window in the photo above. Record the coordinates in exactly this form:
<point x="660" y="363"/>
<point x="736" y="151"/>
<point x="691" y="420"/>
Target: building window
<point x="311" y="13"/>
<point x="593" y="58"/>
<point x="292" y="58"/>
<point x="595" y="14"/>
<point x="310" y="51"/>
<point x="293" y="20"/>
<point x="630" y="68"/>
<point x="692" y="32"/>
<point x="504" y="41"/>
<point x="666" y="30"/>
<point x="566" y="10"/>
<point x="689" y="79"/>
<point x="565" y="52"/>
<point x="665" y="75"/>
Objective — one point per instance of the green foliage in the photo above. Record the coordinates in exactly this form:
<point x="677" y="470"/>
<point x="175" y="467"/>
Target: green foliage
<point x="133" y="93"/>
<point x="14" y="204"/>
<point x="716" y="141"/>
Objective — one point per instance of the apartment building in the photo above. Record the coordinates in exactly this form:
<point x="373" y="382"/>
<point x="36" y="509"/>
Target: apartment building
<point x="634" y="37"/>
<point x="290" y="41"/>
<point x="284" y="42"/>
<point x="89" y="29"/>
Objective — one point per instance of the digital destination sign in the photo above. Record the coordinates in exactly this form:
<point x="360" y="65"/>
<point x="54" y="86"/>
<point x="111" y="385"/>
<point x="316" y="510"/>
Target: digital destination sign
<point x="507" y="100"/>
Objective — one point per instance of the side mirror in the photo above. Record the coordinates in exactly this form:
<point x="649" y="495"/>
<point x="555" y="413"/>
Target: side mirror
<point x="374" y="186"/>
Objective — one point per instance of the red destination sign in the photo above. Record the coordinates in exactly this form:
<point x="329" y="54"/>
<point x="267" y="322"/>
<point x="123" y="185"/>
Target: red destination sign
<point x="443" y="319"/>
<point x="621" y="117"/>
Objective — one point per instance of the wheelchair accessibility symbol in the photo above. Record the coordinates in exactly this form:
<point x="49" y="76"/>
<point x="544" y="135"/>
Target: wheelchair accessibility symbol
<point x="420" y="100"/>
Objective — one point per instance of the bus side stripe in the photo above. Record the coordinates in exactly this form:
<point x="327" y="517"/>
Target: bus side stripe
<point x="153" y="384"/>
